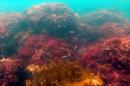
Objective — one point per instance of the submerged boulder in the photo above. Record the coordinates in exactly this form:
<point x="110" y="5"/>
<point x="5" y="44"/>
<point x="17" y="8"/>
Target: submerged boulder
<point x="111" y="58"/>
<point x="43" y="48"/>
<point x="83" y="36"/>
<point x="54" y="19"/>
<point x="112" y="29"/>
<point x="10" y="25"/>
<point x="106" y="23"/>
<point x="100" y="17"/>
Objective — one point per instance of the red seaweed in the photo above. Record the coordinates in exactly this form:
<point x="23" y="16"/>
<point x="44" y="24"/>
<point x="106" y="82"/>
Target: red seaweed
<point x="11" y="72"/>
<point x="44" y="48"/>
<point x="111" y="58"/>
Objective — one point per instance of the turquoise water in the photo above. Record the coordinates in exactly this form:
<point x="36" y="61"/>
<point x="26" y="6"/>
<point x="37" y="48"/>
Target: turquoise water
<point x="76" y="5"/>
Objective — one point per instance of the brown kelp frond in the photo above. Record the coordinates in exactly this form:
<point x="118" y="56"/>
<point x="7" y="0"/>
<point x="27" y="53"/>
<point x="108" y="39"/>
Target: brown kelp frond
<point x="61" y="74"/>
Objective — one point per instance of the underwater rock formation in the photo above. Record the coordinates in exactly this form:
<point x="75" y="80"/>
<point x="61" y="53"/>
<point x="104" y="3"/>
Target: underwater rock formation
<point x="107" y="23"/>
<point x="10" y="25"/>
<point x="52" y="18"/>
<point x="49" y="39"/>
<point x="112" y="29"/>
<point x="111" y="58"/>
<point x="98" y="18"/>
<point x="83" y="36"/>
<point x="56" y="19"/>
<point x="11" y="72"/>
<point x="45" y="48"/>
<point x="62" y="74"/>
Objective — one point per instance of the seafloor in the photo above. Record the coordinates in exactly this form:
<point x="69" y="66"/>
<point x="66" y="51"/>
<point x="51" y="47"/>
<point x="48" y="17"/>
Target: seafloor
<point x="51" y="45"/>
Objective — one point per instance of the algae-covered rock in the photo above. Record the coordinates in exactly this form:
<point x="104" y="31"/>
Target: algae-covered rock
<point x="55" y="19"/>
<point x="100" y="17"/>
<point x="10" y="25"/>
<point x="45" y="48"/>
<point x="111" y="58"/>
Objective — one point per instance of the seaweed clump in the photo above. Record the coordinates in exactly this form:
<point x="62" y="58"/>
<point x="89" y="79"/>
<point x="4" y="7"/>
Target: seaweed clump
<point x="11" y="72"/>
<point x="43" y="48"/>
<point x="111" y="58"/>
<point x="62" y="74"/>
